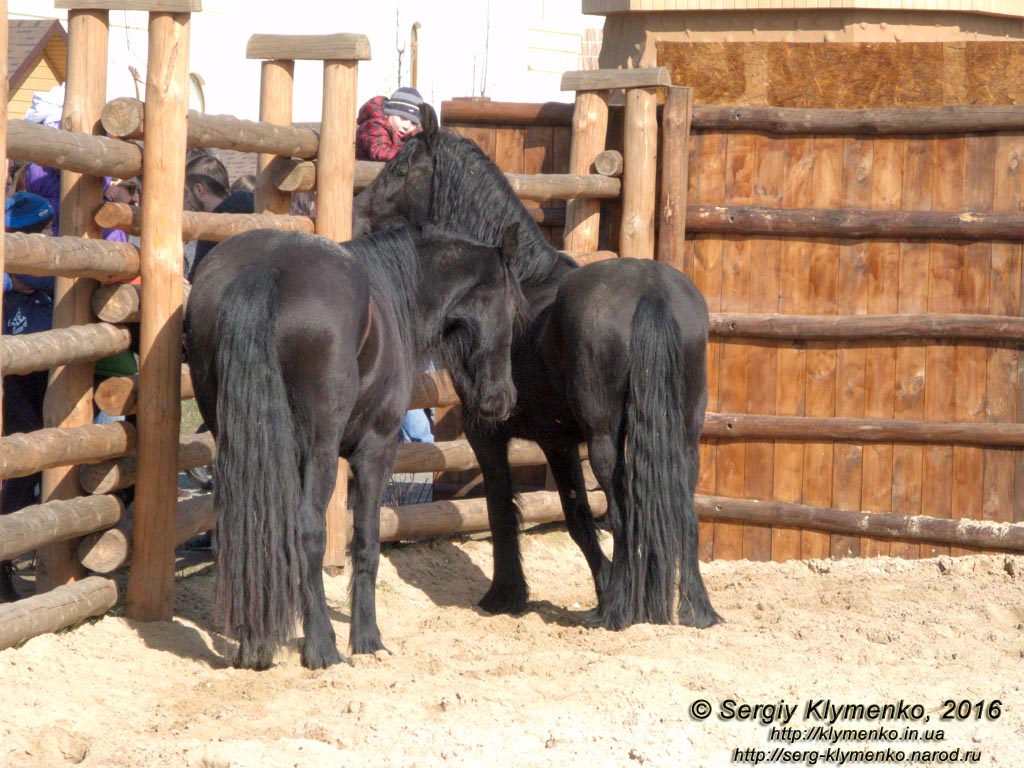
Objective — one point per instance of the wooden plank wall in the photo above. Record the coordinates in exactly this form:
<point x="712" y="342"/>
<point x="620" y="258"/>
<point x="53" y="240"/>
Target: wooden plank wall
<point x="962" y="382"/>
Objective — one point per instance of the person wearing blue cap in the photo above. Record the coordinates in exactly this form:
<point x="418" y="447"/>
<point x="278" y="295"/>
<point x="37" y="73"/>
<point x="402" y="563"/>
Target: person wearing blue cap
<point x="28" y="308"/>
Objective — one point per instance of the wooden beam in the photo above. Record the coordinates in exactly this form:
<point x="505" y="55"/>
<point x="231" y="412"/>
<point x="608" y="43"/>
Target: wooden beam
<point x="28" y="352"/>
<point x="55" y="610"/>
<point x="202" y="226"/>
<point x="292" y="175"/>
<point x="78" y="152"/>
<point x="933" y="326"/>
<point x="675" y="175"/>
<point x="860" y="122"/>
<point x="336" y="47"/>
<point x="150" y="594"/>
<point x="608" y="163"/>
<point x="71" y="257"/>
<point x="1003" y="537"/>
<point x="612" y="79"/>
<point x="68" y="401"/>
<point x="589" y="134"/>
<point x="277" y="83"/>
<point x="848" y="223"/>
<point x="40" y="524"/>
<point x="30" y="452"/>
<point x="117" y="303"/>
<point x="124" y="117"/>
<point x="737" y="426"/>
<point x="163" y="6"/>
<point x="640" y="174"/>
<point x="469" y="112"/>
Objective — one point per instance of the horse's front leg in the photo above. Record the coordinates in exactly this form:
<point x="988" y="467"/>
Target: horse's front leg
<point x="567" y="471"/>
<point x="508" y="592"/>
<point x="319" y="649"/>
<point x="370" y="471"/>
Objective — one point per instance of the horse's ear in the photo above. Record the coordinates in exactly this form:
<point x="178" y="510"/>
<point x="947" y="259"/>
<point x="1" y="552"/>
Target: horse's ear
<point x="429" y="124"/>
<point x="510" y="242"/>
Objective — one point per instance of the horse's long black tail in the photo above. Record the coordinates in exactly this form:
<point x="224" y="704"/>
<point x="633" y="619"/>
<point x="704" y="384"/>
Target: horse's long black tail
<point x="660" y="520"/>
<point x="257" y="485"/>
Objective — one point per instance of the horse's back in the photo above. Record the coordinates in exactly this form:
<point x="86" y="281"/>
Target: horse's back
<point x="323" y="303"/>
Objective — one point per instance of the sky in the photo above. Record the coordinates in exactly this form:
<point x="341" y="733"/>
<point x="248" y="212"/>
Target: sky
<point x="507" y="51"/>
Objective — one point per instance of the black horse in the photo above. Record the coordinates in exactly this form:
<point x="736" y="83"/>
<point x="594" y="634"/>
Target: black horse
<point x="301" y="351"/>
<point x="613" y="354"/>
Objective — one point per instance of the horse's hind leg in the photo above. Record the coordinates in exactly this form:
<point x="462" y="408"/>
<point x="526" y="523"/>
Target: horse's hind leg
<point x="614" y="610"/>
<point x="508" y="592"/>
<point x="370" y="470"/>
<point x="319" y="649"/>
<point x="572" y="491"/>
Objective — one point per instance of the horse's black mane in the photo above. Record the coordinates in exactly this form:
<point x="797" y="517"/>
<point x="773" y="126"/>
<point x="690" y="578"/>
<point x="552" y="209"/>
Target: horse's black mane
<point x="472" y="195"/>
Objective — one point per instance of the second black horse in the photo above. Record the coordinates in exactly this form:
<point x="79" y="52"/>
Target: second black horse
<point x="612" y="354"/>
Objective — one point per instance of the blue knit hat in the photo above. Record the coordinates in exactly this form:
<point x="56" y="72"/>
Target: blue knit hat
<point x="25" y="210"/>
<point x="405" y="102"/>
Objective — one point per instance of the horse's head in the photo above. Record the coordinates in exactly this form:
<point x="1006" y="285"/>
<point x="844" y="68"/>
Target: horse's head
<point x="403" y="189"/>
<point x="478" y="324"/>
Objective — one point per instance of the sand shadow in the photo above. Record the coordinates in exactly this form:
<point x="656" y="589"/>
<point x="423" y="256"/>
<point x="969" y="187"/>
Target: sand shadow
<point x="441" y="570"/>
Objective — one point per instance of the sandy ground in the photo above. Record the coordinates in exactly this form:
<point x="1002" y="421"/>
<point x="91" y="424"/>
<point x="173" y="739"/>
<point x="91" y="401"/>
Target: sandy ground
<point x="465" y="688"/>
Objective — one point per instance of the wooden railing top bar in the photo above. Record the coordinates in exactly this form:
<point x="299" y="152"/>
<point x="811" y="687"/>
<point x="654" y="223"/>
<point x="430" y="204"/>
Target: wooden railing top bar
<point x="614" y="79"/>
<point x="772" y="120"/>
<point x="124" y="117"/>
<point x="198" y="225"/>
<point x="336" y="47"/>
<point x="158" y="6"/>
<point x="78" y="152"/>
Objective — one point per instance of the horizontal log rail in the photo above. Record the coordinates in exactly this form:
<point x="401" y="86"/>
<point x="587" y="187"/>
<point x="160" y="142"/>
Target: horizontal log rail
<point x="29" y="452"/>
<point x="774" y="120"/>
<point x="860" y="122"/>
<point x="202" y="226"/>
<point x="106" y="552"/>
<point x="928" y="326"/>
<point x="70" y="257"/>
<point x="40" y="524"/>
<point x="854" y="223"/>
<point x="291" y="175"/>
<point x="123" y="117"/>
<point x="54" y="610"/>
<point x="456" y="455"/>
<point x="733" y="426"/>
<point x="116" y="396"/>
<point x="41" y="351"/>
<point x="563" y="186"/>
<point x="981" y="534"/>
<point x="72" y="151"/>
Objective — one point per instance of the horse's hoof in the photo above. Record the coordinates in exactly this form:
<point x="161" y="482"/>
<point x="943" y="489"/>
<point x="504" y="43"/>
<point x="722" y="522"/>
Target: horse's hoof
<point x="322" y="660"/>
<point x="510" y="601"/>
<point x="257" y="662"/>
<point x="370" y="645"/>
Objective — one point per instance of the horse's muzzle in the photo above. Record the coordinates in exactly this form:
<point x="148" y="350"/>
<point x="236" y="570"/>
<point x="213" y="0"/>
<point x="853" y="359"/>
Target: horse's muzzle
<point x="498" y="405"/>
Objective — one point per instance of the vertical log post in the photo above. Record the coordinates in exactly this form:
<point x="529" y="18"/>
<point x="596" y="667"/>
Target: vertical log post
<point x="589" y="134"/>
<point x="676" y="117"/>
<point x="640" y="169"/>
<point x="68" y="401"/>
<point x="151" y="580"/>
<point x="341" y="54"/>
<point x="277" y="82"/>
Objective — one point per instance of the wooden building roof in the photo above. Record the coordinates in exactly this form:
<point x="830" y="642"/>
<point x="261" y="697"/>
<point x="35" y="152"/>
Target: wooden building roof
<point x="37" y="60"/>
